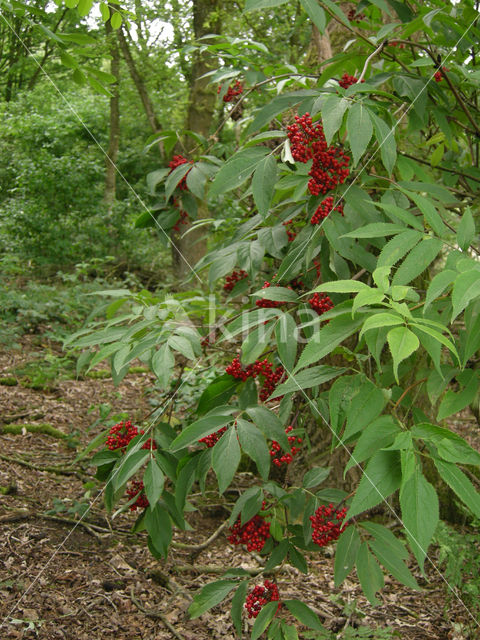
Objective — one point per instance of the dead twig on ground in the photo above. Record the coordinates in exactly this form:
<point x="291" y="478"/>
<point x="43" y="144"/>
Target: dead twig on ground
<point x="158" y="615"/>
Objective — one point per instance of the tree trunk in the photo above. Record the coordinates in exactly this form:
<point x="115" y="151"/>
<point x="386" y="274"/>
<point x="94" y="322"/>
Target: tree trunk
<point x="140" y="86"/>
<point x="114" y="136"/>
<point x="201" y="106"/>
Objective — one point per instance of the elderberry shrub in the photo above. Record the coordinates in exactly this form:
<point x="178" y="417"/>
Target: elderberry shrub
<point x="326" y="524"/>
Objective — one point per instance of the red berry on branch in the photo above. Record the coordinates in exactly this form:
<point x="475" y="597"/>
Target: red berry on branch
<point x="326" y="524"/>
<point x="213" y="438"/>
<point x="253" y="533"/>
<point x="232" y="92"/>
<point x="137" y="489"/>
<point x="233" y="278"/>
<point x="175" y="162"/>
<point x="324" y="209"/>
<point x="320" y="303"/>
<point x="260" y="596"/>
<point x="122" y="433"/>
<point x="286" y="458"/>
<point x="347" y="80"/>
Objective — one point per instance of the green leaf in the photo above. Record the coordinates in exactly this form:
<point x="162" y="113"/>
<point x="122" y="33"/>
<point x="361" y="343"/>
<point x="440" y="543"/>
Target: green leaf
<point x="162" y="364"/>
<point x="307" y="379"/>
<point x="83" y="8"/>
<point x="375" y="230"/>
<point x="342" y="286"/>
<point x="253" y="443"/>
<point x="158" y="524"/>
<point x="263" y="619"/>
<point x="466" y="230"/>
<point x="175" y="176"/>
<point x="369" y="573"/>
<point x="286" y="338"/>
<point x="304" y="614"/>
<point x="217" y="393"/>
<point x="256" y="342"/>
<point x="460" y="484"/>
<point x="211" y="595"/>
<point x="277" y="556"/>
<point x="270" y="425"/>
<point x="225" y="458"/>
<point x="383" y="319"/>
<point x="127" y="466"/>
<point x="238" y="602"/>
<point x="419" y="504"/>
<point x="279" y="294"/>
<point x="333" y="111"/>
<point x="390" y="552"/>
<point x="402" y="343"/>
<point x="330" y="336"/>
<point x="236" y="170"/>
<point x="182" y="345"/>
<point x="346" y="553"/>
<point x="315" y="13"/>
<point x="116" y="20"/>
<point x="154" y="481"/>
<point x="297" y="559"/>
<point x="386" y="141"/>
<point x="252" y="5"/>
<point x="450" y="446"/>
<point x="263" y="184"/>
<point x="377" y="435"/>
<point x="105" y="11"/>
<point x="397" y="247"/>
<point x="366" y="298"/>
<point x="438" y="284"/>
<point x="199" y="429"/>
<point x="365" y="406"/>
<point x="465" y="289"/>
<point x="431" y="214"/>
<point x="417" y="261"/>
<point x="359" y="129"/>
<point x="315" y="476"/>
<point x="382" y="476"/>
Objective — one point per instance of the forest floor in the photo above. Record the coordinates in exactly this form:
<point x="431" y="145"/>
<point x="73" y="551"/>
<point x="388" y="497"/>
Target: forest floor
<point x="61" y="579"/>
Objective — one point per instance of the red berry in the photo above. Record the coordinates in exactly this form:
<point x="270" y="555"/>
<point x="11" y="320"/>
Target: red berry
<point x="324" y="209"/>
<point x="233" y="278"/>
<point x="286" y="458"/>
<point x="122" y="433"/>
<point x="326" y="524"/>
<point x="137" y="489"/>
<point x="232" y="92"/>
<point x="320" y="303"/>
<point x="260" y="596"/>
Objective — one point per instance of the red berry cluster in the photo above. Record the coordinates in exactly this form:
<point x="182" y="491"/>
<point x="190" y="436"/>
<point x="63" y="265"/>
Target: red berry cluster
<point x="290" y="233"/>
<point x="213" y="438"/>
<point x="182" y="220"/>
<point x="320" y="303"/>
<point x="175" y="162"/>
<point x="136" y="489"/>
<point x="286" y="458"/>
<point x="260" y="596"/>
<point x="330" y="164"/>
<point x="324" y="209"/>
<point x="253" y="533"/>
<point x="346" y="80"/>
<point x="353" y="16"/>
<point x="267" y="304"/>
<point x="262" y="368"/>
<point x="122" y="433"/>
<point x="438" y="76"/>
<point x="326" y="524"/>
<point x="232" y="92"/>
<point x="233" y="278"/>
<point x="400" y="45"/>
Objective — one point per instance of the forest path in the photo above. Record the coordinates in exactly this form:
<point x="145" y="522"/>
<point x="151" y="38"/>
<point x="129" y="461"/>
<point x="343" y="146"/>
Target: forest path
<point x="95" y="581"/>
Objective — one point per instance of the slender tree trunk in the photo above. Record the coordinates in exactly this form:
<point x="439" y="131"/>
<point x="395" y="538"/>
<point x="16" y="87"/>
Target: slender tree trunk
<point x="140" y="86"/>
<point x="201" y="106"/>
<point x="114" y="136"/>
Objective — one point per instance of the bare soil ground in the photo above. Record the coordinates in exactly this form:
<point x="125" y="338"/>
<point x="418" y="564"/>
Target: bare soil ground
<point x="94" y="580"/>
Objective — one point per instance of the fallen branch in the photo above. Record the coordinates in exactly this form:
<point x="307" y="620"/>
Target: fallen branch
<point x="202" y="545"/>
<point x="61" y="471"/>
<point x="44" y="428"/>
<point x="158" y="615"/>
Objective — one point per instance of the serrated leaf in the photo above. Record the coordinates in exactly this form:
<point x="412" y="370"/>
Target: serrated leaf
<point x="236" y="170"/>
<point x="359" y="129"/>
<point x="417" y="261"/>
<point x="315" y="476"/>
<point x="225" y="458"/>
<point x="346" y="553"/>
<point x="461" y="485"/>
<point x="381" y="478"/>
<point x="263" y="184"/>
<point x="154" y="481"/>
<point x="304" y="614"/>
<point x="306" y="379"/>
<point x="466" y="230"/>
<point x="263" y="619"/>
<point x="315" y="13"/>
<point x="199" y="429"/>
<point x="211" y="595"/>
<point x="333" y="111"/>
<point x="286" y="339"/>
<point x="253" y="443"/>
<point x="369" y="573"/>
<point x="128" y="465"/>
<point x="375" y="230"/>
<point x="237" y="609"/>
<point x="465" y="289"/>
<point x="419" y="504"/>
<point x="402" y="343"/>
